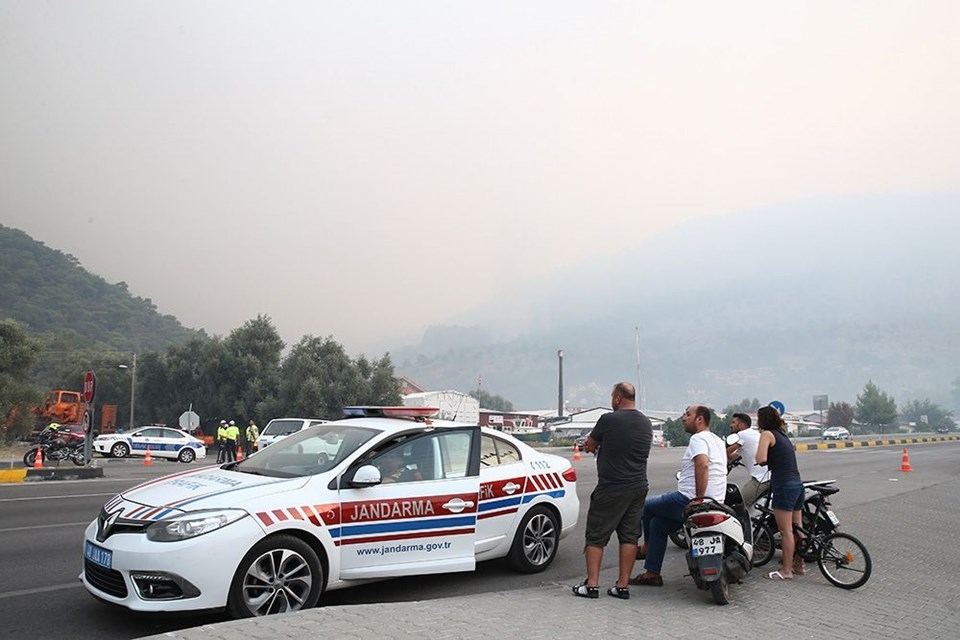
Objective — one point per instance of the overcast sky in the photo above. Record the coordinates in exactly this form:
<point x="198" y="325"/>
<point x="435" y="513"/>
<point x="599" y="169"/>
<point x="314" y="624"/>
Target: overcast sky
<point x="363" y="169"/>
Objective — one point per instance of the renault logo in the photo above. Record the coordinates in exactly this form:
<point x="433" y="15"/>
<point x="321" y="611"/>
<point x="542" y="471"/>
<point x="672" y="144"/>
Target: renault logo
<point x="104" y="524"/>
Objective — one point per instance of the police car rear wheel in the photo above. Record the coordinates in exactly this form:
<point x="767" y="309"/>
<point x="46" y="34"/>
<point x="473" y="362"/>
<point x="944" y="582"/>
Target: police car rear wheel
<point x="119" y="450"/>
<point x="535" y="545"/>
<point x="186" y="455"/>
<point x="278" y="575"/>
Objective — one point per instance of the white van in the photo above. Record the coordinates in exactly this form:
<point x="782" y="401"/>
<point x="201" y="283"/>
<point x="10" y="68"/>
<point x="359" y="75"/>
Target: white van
<point x="280" y="428"/>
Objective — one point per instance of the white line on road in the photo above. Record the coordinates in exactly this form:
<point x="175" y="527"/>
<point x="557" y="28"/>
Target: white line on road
<point x="46" y="526"/>
<point x="74" y="495"/>
<point x="30" y="592"/>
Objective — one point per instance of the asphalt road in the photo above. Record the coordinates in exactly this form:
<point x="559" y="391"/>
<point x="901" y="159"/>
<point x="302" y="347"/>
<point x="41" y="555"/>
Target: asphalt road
<point x="42" y="524"/>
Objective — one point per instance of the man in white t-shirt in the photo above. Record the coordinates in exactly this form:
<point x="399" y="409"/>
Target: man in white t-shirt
<point x="703" y="474"/>
<point x="747" y="449"/>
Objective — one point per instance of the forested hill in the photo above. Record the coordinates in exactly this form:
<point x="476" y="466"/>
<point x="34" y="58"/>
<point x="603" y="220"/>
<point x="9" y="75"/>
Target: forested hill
<point x="50" y="293"/>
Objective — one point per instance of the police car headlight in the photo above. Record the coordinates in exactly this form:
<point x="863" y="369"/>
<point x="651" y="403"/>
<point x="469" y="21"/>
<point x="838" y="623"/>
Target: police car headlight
<point x="191" y="525"/>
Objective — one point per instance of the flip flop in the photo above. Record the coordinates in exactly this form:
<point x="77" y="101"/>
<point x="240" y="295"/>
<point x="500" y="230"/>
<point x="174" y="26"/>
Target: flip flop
<point x="776" y="575"/>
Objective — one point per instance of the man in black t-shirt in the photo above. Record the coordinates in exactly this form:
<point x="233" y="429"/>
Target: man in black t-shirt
<point x="622" y="442"/>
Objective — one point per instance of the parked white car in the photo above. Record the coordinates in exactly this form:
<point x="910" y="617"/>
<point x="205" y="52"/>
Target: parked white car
<point x="836" y="433"/>
<point x="336" y="505"/>
<point x="280" y="428"/>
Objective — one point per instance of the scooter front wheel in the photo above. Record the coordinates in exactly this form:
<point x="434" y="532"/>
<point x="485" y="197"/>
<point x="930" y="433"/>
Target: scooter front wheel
<point x="679" y="538"/>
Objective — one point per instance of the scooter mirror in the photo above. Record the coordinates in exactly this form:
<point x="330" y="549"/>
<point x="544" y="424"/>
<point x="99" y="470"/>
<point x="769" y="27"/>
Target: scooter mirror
<point x="733" y="438"/>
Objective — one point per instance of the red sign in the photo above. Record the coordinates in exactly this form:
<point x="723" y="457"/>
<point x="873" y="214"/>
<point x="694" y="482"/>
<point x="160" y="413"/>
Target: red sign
<point x="89" y="387"/>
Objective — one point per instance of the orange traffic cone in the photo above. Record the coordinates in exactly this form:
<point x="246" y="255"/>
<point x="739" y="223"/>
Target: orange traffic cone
<point x="148" y="460"/>
<point x="576" y="451"/>
<point x="905" y="464"/>
<point x="239" y="454"/>
<point x="38" y="460"/>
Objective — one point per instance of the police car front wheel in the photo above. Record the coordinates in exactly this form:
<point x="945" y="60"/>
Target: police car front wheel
<point x="186" y="455"/>
<point x="279" y="574"/>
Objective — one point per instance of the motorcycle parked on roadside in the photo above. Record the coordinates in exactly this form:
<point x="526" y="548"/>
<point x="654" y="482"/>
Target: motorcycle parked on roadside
<point x="52" y="451"/>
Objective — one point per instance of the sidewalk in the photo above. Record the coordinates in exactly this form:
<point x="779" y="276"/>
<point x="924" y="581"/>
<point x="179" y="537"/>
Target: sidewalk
<point x="913" y="593"/>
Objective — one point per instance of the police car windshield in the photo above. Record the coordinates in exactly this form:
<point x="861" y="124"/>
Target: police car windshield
<point x="309" y="452"/>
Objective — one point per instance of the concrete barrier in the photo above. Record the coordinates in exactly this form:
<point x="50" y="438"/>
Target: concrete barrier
<point x="63" y="473"/>
<point x="852" y="444"/>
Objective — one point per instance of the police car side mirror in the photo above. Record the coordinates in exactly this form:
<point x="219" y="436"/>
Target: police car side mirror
<point x="366" y="476"/>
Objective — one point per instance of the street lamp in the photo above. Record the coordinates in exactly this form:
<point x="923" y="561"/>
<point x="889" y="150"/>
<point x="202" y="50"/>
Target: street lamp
<point x="133" y="385"/>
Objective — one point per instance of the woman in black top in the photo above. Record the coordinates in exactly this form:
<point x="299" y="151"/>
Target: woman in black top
<point x="776" y="451"/>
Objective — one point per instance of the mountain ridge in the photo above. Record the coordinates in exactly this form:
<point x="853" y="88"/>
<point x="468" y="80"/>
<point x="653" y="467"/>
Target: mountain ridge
<point x="791" y="301"/>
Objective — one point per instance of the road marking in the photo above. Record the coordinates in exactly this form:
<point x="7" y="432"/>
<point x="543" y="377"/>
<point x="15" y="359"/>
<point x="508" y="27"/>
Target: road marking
<point x="30" y="592"/>
<point x="45" y="526"/>
<point x="75" y="495"/>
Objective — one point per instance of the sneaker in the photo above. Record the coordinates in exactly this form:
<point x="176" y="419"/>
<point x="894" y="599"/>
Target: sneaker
<point x="585" y="591"/>
<point x="619" y="592"/>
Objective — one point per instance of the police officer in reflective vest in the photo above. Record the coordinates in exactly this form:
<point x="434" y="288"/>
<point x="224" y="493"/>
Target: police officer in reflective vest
<point x="222" y="442"/>
<point x="252" y="434"/>
<point x="233" y="437"/>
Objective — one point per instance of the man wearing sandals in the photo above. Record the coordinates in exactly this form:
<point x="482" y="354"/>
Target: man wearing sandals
<point x="703" y="474"/>
<point x="621" y="440"/>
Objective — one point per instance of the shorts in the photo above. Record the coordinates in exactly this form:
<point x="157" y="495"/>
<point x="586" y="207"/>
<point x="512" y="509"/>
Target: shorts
<point x="788" y="497"/>
<point x="612" y="510"/>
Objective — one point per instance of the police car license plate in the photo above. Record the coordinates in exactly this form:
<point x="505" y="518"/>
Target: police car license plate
<point x="97" y="555"/>
<point x="706" y="546"/>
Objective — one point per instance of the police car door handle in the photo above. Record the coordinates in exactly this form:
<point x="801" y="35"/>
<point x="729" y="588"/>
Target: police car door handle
<point x="457" y="505"/>
<point x="510" y="488"/>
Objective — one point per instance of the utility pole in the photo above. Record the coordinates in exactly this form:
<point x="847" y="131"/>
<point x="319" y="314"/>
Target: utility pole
<point x="643" y="396"/>
<point x="560" y="385"/>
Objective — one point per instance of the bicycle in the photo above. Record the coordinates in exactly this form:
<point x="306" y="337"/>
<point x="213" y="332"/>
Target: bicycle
<point x="842" y="559"/>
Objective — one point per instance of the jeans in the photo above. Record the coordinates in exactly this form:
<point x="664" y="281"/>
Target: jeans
<point x="662" y="515"/>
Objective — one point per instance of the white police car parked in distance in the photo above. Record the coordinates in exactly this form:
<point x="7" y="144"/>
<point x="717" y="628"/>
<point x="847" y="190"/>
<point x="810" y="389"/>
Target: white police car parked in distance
<point x="282" y="427"/>
<point x="163" y="442"/>
<point x="386" y="493"/>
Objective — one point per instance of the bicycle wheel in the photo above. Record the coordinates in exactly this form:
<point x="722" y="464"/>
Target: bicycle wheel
<point x="763" y="544"/>
<point x="844" y="561"/>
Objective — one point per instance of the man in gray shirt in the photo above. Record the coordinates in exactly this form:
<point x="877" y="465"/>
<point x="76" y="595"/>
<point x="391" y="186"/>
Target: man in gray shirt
<point x="621" y="440"/>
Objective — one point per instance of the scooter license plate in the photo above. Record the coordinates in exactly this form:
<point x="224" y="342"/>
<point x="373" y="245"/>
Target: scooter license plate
<point x="833" y="517"/>
<point x="706" y="546"/>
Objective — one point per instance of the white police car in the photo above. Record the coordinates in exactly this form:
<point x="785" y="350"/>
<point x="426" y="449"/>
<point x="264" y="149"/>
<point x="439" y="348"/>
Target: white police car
<point x="162" y="442"/>
<point x="383" y="494"/>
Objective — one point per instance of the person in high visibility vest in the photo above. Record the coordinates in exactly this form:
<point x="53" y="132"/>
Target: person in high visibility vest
<point x="222" y="442"/>
<point x="252" y="434"/>
<point x="233" y="436"/>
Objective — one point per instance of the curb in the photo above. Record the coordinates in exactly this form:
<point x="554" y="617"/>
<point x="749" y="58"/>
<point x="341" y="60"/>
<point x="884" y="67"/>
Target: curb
<point x="49" y="473"/>
<point x="853" y="444"/>
<point x="13" y="475"/>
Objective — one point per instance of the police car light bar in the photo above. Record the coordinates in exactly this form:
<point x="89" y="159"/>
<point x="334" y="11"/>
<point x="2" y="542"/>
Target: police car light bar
<point x="419" y="413"/>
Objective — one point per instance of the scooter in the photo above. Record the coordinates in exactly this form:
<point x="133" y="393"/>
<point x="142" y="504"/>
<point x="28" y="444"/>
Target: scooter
<point x="721" y="541"/>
